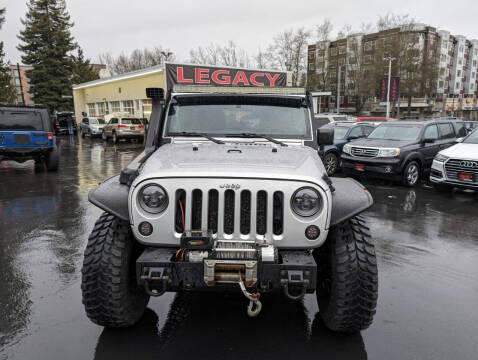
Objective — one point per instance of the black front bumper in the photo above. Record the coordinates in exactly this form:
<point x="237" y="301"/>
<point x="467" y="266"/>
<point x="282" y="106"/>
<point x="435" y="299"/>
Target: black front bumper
<point x="295" y="272"/>
<point x="24" y="154"/>
<point x="383" y="168"/>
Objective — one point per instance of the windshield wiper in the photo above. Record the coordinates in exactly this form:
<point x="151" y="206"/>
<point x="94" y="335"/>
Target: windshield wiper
<point x="195" y="134"/>
<point x="263" y="136"/>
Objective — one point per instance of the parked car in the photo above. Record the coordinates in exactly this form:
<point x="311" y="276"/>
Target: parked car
<point x="60" y="122"/>
<point x="400" y="151"/>
<point x="327" y="118"/>
<point x="344" y="132"/>
<point x="26" y="133"/>
<point x="376" y="120"/>
<point x="457" y="166"/>
<point x="471" y="125"/>
<point x="124" y="127"/>
<point x="92" y="126"/>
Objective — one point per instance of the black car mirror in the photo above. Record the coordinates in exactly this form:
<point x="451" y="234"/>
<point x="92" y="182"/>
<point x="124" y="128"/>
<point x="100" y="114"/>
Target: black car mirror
<point x="325" y="136"/>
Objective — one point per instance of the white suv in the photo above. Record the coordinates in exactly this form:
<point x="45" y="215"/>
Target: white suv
<point x="457" y="166"/>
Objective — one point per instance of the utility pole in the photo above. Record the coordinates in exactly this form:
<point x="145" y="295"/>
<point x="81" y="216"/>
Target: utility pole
<point x="390" y="59"/>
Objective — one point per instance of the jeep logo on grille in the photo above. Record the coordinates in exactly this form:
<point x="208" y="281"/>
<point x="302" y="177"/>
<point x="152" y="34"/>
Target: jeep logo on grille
<point x="469" y="164"/>
<point x="230" y="186"/>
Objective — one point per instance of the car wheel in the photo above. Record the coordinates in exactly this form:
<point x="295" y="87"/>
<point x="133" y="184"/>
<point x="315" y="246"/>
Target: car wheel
<point x="115" y="138"/>
<point x="111" y="295"/>
<point x="331" y="163"/>
<point x="411" y="174"/>
<point x="52" y="160"/>
<point x="103" y="136"/>
<point x="347" y="280"/>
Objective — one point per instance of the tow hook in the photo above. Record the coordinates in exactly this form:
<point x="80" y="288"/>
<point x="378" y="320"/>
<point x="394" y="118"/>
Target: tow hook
<point x="155" y="274"/>
<point x="255" y="306"/>
<point x="294" y="278"/>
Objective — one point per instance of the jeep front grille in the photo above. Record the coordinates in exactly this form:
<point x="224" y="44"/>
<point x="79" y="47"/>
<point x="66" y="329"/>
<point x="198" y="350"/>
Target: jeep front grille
<point x="454" y="167"/>
<point x="229" y="212"/>
<point x="364" y="152"/>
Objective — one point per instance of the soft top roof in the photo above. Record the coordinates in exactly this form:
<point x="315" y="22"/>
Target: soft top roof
<point x="37" y="110"/>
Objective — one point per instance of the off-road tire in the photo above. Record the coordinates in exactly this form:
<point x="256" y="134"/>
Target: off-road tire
<point x="405" y="176"/>
<point x="347" y="281"/>
<point x="52" y="160"/>
<point x="331" y="163"/>
<point x="110" y="294"/>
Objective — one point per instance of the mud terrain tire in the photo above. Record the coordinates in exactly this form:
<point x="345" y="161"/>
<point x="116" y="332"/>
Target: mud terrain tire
<point x="347" y="281"/>
<point x="110" y="294"/>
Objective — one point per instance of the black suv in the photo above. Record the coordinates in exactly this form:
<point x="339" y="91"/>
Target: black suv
<point x="400" y="151"/>
<point x="344" y="132"/>
<point x="26" y="133"/>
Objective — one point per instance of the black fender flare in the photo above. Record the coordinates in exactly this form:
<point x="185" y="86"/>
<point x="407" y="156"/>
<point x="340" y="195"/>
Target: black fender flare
<point x="415" y="156"/>
<point x="112" y="197"/>
<point x="349" y="199"/>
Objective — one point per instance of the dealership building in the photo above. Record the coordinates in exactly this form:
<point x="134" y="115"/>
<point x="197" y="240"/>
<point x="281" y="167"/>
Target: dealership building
<point x="127" y="92"/>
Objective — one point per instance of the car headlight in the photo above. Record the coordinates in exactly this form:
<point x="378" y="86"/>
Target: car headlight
<point x="153" y="198"/>
<point x="388" y="152"/>
<point x="306" y="201"/>
<point x="347" y="149"/>
<point x="441" y="158"/>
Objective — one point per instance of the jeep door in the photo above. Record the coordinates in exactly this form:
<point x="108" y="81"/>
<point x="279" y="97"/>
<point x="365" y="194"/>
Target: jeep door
<point x="430" y="149"/>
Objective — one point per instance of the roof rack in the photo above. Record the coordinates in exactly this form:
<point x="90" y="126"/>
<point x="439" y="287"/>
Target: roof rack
<point x="238" y="90"/>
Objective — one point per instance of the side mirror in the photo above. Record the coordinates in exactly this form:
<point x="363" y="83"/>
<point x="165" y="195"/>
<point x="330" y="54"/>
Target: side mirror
<point x="428" y="141"/>
<point x="325" y="136"/>
<point x="459" y="140"/>
<point x="353" y="137"/>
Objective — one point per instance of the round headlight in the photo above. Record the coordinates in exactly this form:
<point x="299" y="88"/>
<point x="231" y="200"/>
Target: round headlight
<point x="153" y="198"/>
<point x="306" y="202"/>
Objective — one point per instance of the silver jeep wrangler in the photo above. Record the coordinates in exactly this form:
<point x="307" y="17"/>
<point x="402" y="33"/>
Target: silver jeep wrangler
<point x="230" y="194"/>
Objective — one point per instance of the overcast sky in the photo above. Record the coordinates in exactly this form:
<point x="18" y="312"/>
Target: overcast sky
<point x="122" y="25"/>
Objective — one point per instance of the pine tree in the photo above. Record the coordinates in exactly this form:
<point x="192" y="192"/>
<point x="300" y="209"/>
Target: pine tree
<point x="47" y="45"/>
<point x="7" y="90"/>
<point x="82" y="71"/>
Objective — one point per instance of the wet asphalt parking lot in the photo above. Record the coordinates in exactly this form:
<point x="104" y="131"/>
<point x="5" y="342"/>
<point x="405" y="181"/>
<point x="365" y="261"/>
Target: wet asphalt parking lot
<point x="426" y="243"/>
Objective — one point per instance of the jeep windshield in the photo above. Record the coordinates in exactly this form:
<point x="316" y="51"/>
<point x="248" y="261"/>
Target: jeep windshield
<point x="397" y="133"/>
<point x="229" y="115"/>
<point x="20" y="120"/>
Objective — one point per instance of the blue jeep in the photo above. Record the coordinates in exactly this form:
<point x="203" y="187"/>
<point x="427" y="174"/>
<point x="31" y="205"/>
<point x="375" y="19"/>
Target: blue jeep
<point x="26" y="133"/>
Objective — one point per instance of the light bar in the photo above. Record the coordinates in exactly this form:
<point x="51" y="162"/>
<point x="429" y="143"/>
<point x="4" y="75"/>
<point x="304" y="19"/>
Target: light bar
<point x="238" y="90"/>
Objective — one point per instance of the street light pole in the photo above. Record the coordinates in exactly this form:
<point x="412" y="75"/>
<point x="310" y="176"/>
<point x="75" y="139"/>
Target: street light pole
<point x="390" y="59"/>
<point x="338" y="92"/>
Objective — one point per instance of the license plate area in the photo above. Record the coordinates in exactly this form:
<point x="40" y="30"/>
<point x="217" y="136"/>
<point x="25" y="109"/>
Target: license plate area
<point x="466" y="177"/>
<point x="360" y="167"/>
<point x="21" y="139"/>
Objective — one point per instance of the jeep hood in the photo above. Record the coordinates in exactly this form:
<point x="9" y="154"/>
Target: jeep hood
<point x="462" y="151"/>
<point x="233" y="161"/>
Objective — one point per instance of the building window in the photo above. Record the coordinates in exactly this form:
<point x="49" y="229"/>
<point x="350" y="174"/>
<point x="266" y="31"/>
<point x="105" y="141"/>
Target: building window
<point x="472" y="87"/>
<point x="333" y="51"/>
<point x="368" y="46"/>
<point x="457" y="86"/>
<point x="474" y="63"/>
<point x="461" y="48"/>
<point x="101" y="108"/>
<point x="473" y="75"/>
<point x="440" y="84"/>
<point x="442" y="71"/>
<point x="368" y="59"/>
<point x="128" y="106"/>
<point x="115" y="106"/>
<point x="458" y="73"/>
<point x="342" y="49"/>
<point x="443" y="58"/>
<point x="445" y="45"/>
<point x="341" y="61"/>
<point x="91" y="109"/>
<point x="460" y="61"/>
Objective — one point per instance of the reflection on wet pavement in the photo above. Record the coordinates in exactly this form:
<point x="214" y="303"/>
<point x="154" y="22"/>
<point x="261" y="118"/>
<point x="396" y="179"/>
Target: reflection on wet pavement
<point x="426" y="243"/>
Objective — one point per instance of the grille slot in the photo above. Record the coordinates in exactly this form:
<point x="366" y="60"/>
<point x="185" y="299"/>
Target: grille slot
<point x="278" y="213"/>
<point x="229" y="199"/>
<point x="212" y="210"/>
<point x="245" y="212"/>
<point x="364" y="152"/>
<point x="180" y="212"/>
<point x="196" y="210"/>
<point x="261" y="213"/>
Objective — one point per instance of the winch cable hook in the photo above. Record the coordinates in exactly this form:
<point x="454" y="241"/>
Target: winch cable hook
<point x="255" y="306"/>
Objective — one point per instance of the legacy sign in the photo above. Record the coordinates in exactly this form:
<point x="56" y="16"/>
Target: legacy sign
<point x="220" y="76"/>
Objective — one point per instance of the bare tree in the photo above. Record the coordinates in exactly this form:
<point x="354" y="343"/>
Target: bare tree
<point x="138" y="59"/>
<point x="320" y="81"/>
<point x="213" y="54"/>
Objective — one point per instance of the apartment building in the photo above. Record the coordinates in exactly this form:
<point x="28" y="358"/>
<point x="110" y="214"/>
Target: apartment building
<point x="446" y="85"/>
